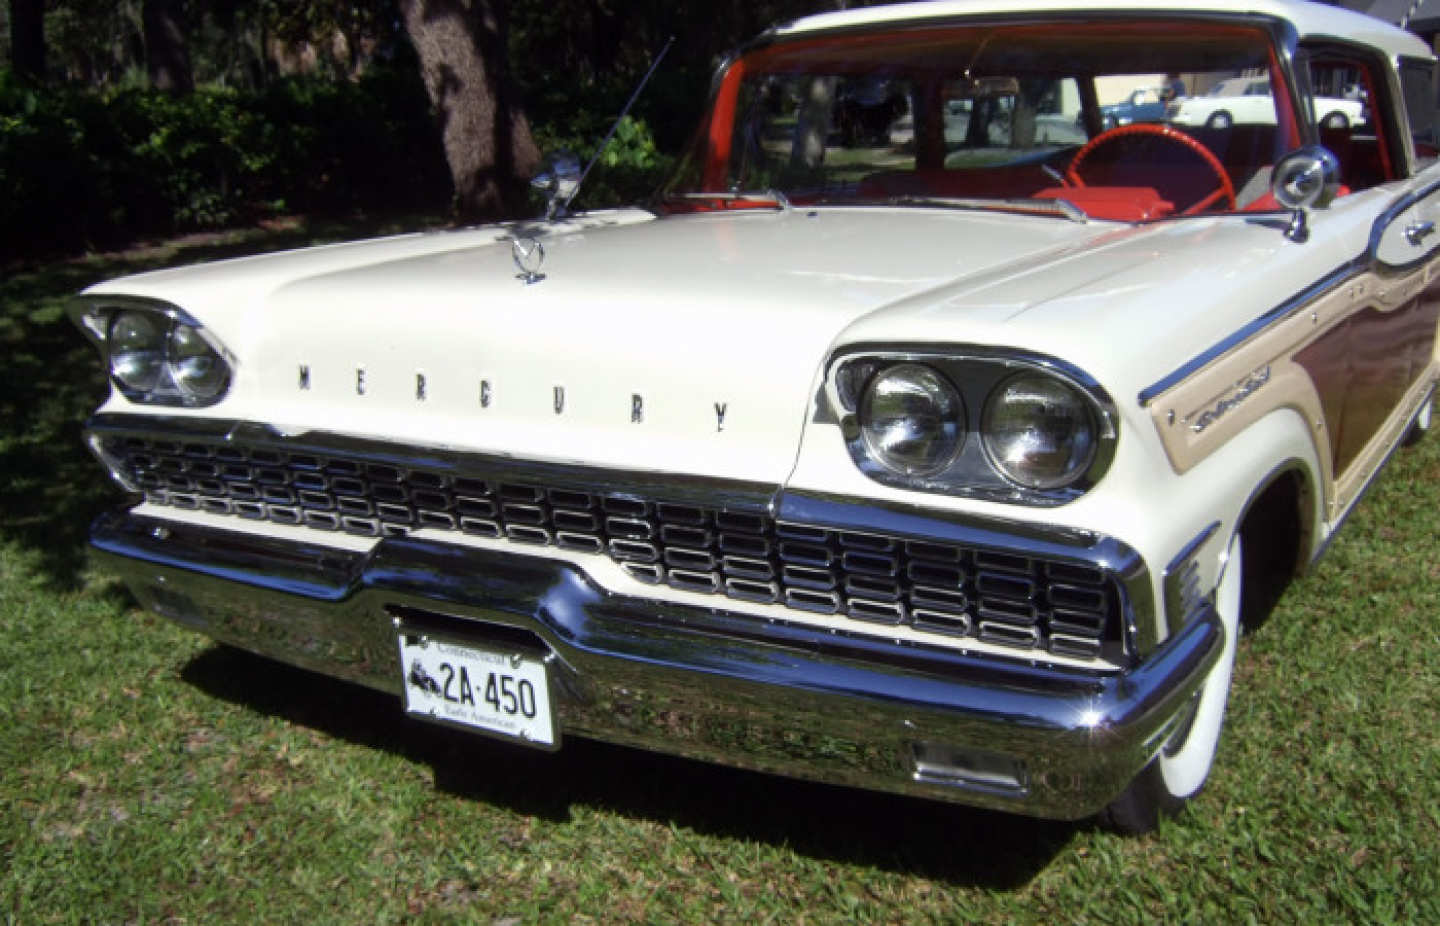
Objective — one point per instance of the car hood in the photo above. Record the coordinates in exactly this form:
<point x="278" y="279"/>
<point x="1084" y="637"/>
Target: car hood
<point x="688" y="344"/>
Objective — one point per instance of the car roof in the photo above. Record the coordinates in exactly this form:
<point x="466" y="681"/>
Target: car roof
<point x="1311" y="20"/>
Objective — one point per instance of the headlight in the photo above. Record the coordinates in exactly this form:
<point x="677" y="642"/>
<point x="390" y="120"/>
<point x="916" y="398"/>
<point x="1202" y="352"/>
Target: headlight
<point x="198" y="371"/>
<point x="155" y="353"/>
<point x="1039" y="432"/>
<point x="1000" y="425"/>
<point x="912" y="420"/>
<point x="137" y="349"/>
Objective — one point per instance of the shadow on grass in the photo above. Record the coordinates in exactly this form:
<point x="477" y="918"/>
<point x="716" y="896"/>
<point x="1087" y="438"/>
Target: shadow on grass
<point x="937" y="841"/>
<point x="51" y="380"/>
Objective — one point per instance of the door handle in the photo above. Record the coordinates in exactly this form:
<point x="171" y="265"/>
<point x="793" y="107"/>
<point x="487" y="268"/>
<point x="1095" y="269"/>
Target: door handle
<point x="1417" y="232"/>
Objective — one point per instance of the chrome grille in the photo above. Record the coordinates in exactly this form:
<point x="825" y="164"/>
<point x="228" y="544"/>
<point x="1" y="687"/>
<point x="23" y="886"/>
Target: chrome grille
<point x="946" y="589"/>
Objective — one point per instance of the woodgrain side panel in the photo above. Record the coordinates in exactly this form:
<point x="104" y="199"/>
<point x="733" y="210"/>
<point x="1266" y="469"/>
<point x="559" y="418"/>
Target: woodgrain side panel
<point x="1354" y="363"/>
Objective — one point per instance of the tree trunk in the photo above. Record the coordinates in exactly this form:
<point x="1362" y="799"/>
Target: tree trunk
<point x="27" y="40"/>
<point x="812" y="124"/>
<point x="462" y="51"/>
<point x="166" y="56"/>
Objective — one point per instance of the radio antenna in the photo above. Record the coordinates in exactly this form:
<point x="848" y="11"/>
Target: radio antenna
<point x="564" y="207"/>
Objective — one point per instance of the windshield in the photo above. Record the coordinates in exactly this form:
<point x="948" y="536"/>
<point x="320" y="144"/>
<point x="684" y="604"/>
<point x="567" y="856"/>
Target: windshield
<point x="1087" y="113"/>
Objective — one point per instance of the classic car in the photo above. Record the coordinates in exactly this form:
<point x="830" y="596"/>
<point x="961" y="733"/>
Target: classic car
<point x="1246" y="99"/>
<point x="952" y="470"/>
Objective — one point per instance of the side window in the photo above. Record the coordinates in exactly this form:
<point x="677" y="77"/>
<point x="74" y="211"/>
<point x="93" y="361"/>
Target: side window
<point x="1417" y="83"/>
<point x="1349" y="103"/>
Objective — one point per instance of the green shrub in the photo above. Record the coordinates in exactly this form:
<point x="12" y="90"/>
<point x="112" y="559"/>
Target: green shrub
<point x="629" y="170"/>
<point x="85" y="169"/>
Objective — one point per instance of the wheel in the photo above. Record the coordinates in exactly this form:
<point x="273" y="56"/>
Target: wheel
<point x="1178" y="771"/>
<point x="1336" y="120"/>
<point x="1422" y="423"/>
<point x="1225" y="190"/>
<point x="1219" y="121"/>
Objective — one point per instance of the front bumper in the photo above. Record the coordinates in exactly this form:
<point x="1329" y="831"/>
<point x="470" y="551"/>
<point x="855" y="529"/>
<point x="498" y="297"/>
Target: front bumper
<point x="680" y="679"/>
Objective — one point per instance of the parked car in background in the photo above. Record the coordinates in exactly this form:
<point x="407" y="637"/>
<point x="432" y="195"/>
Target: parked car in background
<point x="952" y="468"/>
<point x="1144" y="104"/>
<point x="1248" y="100"/>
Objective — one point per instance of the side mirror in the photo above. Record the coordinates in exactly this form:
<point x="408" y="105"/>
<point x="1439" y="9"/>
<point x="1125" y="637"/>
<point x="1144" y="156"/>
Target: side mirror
<point x="559" y="181"/>
<point x="1308" y="178"/>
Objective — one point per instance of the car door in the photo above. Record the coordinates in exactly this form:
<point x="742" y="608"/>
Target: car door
<point x="1374" y="362"/>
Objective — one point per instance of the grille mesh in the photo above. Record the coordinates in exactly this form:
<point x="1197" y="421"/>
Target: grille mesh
<point x="941" y="588"/>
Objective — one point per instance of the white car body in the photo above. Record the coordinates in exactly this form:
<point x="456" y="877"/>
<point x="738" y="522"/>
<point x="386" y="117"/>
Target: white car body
<point x="476" y="435"/>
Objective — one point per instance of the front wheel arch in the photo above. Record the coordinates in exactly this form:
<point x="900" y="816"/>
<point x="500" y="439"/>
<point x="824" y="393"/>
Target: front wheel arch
<point x="1262" y="555"/>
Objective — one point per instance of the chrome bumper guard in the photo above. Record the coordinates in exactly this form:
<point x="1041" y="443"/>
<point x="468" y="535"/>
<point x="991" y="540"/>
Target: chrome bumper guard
<point x="691" y="681"/>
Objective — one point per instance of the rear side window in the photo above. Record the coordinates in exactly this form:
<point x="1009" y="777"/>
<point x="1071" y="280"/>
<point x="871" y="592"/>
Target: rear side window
<point x="1417" y="82"/>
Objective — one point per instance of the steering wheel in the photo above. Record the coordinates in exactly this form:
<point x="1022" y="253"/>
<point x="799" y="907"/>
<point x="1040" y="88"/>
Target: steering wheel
<point x="1225" y="191"/>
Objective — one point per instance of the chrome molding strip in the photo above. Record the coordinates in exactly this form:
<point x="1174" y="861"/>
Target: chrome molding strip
<point x="1281" y="312"/>
<point x="772" y="37"/>
<point x="1177" y="575"/>
<point x="1387" y="218"/>
<point x="1368" y="260"/>
<point x="837" y="512"/>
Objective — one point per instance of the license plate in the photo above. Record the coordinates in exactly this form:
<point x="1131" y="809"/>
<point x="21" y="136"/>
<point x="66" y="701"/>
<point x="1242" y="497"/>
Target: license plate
<point x="502" y="692"/>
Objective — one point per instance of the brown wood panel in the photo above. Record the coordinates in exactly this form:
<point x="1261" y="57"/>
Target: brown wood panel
<point x="1363" y="367"/>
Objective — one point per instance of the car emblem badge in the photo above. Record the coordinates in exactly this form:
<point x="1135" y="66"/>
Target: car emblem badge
<point x="529" y="256"/>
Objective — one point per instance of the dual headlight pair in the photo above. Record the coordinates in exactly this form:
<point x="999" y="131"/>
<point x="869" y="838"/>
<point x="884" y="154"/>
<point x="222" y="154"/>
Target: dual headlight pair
<point x="156" y="354"/>
<point x="1044" y="433"/>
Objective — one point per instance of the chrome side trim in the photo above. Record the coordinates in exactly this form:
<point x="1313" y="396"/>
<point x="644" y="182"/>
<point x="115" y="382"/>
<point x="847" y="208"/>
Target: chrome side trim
<point x="693" y="681"/>
<point x="1388" y="218"/>
<point x="1179" y="578"/>
<point x="1278" y="314"/>
<point x="1369" y="260"/>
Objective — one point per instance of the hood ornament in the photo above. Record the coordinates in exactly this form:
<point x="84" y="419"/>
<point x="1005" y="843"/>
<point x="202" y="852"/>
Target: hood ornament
<point x="529" y="257"/>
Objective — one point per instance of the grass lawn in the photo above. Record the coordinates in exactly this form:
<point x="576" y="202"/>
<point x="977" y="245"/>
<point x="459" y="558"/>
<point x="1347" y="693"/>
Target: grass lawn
<point x="147" y="774"/>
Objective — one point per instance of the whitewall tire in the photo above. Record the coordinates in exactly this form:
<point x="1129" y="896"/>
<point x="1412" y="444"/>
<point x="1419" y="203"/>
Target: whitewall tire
<point x="1179" y="771"/>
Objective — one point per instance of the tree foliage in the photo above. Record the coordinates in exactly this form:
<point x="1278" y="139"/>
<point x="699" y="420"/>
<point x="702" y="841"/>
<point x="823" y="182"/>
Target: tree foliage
<point x="168" y="114"/>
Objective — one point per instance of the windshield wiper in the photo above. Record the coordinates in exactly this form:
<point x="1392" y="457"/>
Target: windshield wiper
<point x="1061" y="207"/>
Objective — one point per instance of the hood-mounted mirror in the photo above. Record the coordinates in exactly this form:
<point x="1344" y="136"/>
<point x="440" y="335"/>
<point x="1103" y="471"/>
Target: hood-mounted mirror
<point x="1308" y="178"/>
<point x="559" y="181"/>
<point x="562" y="176"/>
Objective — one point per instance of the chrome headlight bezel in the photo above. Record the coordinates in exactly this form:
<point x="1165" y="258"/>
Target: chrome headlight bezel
<point x="181" y="344"/>
<point x="977" y="373"/>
